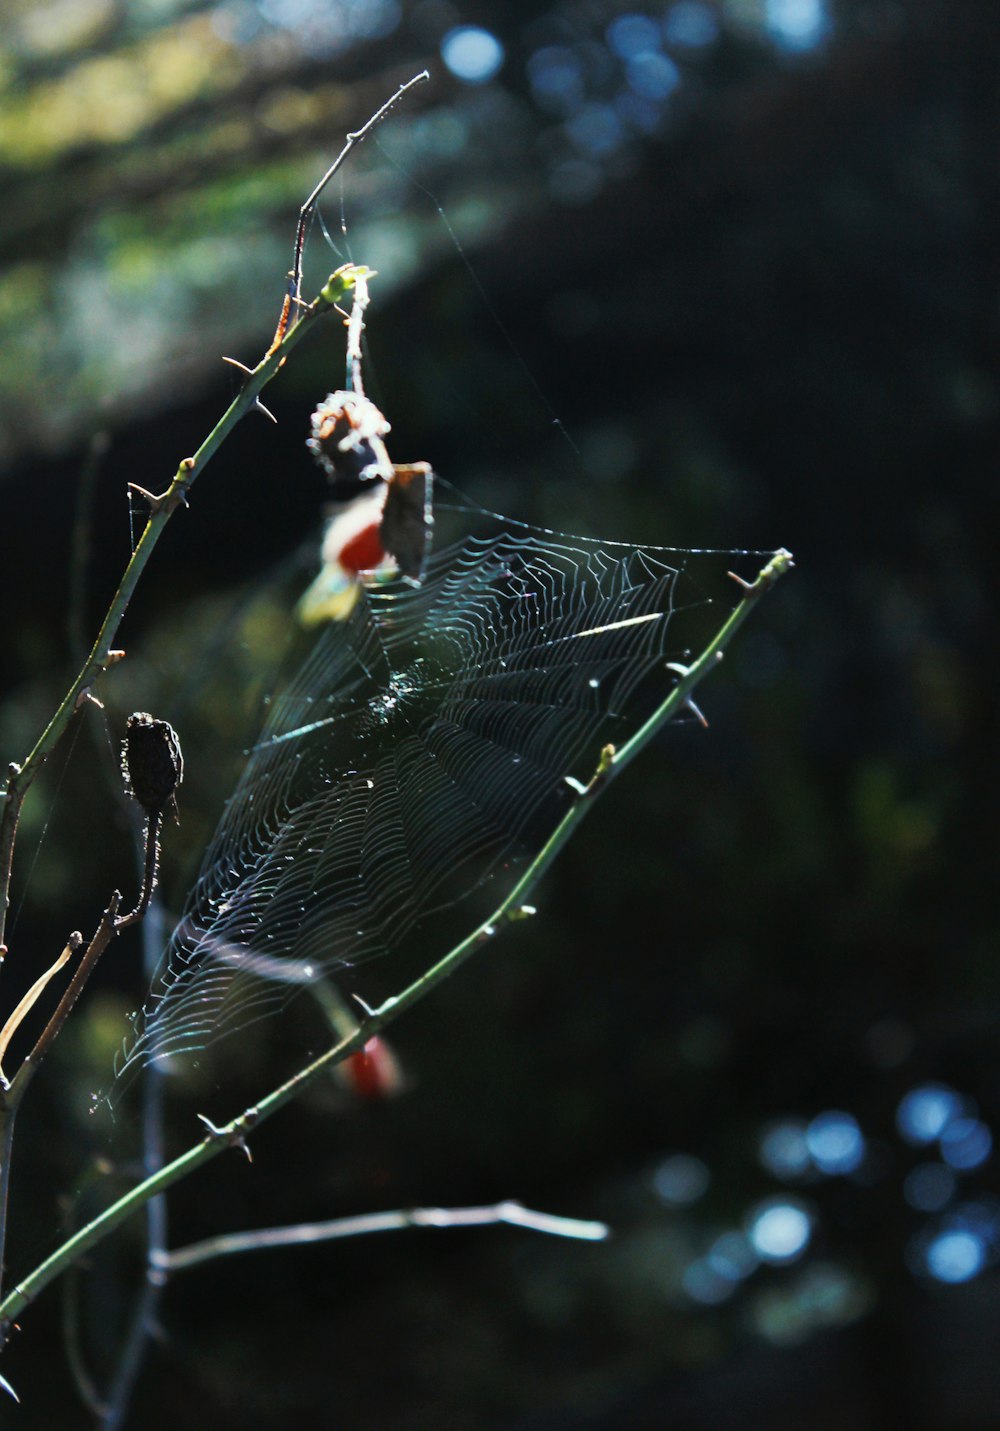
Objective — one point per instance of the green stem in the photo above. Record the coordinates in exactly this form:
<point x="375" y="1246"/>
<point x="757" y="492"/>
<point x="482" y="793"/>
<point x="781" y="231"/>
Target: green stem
<point x="234" y="1133"/>
<point x="20" y="777"/>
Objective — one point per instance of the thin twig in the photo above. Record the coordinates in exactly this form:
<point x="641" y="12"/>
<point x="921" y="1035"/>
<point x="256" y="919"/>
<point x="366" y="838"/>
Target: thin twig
<point x="513" y="908"/>
<point x="150" y="866"/>
<point x="293" y="298"/>
<point x="307" y="1233"/>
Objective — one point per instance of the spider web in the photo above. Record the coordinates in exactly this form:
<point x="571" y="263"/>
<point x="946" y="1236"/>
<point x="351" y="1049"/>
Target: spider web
<point x="424" y="742"/>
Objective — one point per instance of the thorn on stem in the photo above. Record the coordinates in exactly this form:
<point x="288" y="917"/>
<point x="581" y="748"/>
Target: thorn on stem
<point x="173" y="496"/>
<point x="265" y="410"/>
<point x="87" y="695"/>
<point x="696" y="713"/>
<point x="153" y="501"/>
<point x="235" y="363"/>
<point x="232" y="1136"/>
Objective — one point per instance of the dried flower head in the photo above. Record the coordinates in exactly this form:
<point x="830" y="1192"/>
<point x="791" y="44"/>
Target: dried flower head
<point x="347" y="441"/>
<point x="151" y="761"/>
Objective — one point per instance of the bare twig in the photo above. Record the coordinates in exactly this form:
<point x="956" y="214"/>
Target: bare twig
<point x="308" y="1233"/>
<point x="293" y="297"/>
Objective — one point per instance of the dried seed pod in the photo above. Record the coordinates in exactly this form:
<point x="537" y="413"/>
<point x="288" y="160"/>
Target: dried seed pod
<point x="151" y="761"/>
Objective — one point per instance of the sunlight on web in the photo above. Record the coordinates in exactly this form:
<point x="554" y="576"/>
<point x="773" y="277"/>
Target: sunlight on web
<point x="426" y="741"/>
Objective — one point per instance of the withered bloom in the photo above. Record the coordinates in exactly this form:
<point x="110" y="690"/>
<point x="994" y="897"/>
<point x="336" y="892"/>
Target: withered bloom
<point x="347" y="442"/>
<point x="151" y="761"/>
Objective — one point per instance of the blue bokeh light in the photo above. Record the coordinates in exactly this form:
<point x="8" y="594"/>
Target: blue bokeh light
<point x="836" y="1143"/>
<point x="955" y="1255"/>
<point x="966" y="1144"/>
<point x="797" y="24"/>
<point x="596" y="129"/>
<point x="472" y="54"/>
<point x="332" y="27"/>
<point x="690" y="25"/>
<point x="681" y="1179"/>
<point x="652" y="76"/>
<point x="783" y="1149"/>
<point x="925" y="1112"/>
<point x="630" y="35"/>
<point x="556" y="77"/>
<point x="779" y="1230"/>
<point x="731" y="1255"/>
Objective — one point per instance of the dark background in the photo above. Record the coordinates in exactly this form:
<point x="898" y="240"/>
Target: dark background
<point x="755" y="279"/>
